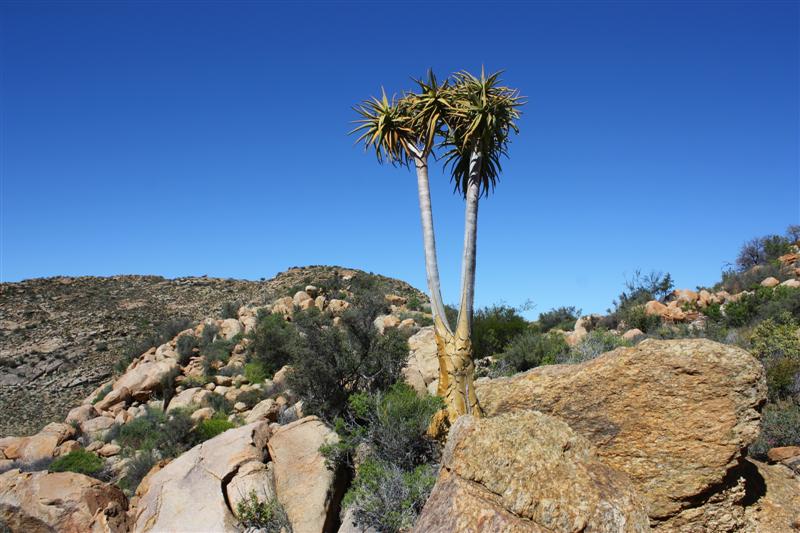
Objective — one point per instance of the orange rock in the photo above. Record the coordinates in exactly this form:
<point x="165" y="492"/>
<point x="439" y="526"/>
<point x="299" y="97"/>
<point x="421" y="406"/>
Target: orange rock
<point x="782" y="453"/>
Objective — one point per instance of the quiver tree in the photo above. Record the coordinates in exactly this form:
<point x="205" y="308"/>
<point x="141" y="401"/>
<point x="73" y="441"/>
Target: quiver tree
<point x="469" y="119"/>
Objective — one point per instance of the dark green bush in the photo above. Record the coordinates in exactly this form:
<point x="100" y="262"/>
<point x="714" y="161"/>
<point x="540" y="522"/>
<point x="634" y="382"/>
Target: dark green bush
<point x="386" y="498"/>
<point x="532" y="349"/>
<point x="230" y="309"/>
<point x="393" y="424"/>
<point x="211" y="427"/>
<point x="634" y="316"/>
<point x="559" y="318"/>
<point x="79" y="461"/>
<point x="255" y="372"/>
<point x="331" y="363"/>
<point x="780" y="426"/>
<point x="777" y="346"/>
<point x="493" y="328"/>
<point x="272" y="342"/>
<point x="167" y="433"/>
<point x="186" y="345"/>
<point x="218" y="350"/>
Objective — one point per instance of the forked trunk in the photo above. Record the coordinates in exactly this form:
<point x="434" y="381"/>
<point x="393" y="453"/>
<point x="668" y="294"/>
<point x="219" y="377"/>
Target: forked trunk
<point x="456" y="366"/>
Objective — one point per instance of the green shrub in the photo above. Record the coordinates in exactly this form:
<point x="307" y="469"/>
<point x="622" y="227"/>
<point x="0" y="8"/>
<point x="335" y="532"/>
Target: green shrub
<point x="230" y="309"/>
<point x="265" y="515"/>
<point x="634" y="316"/>
<point x="331" y="363"/>
<point x="777" y="346"/>
<point x="394" y="424"/>
<point x="386" y="498"/>
<point x="272" y="342"/>
<point x="218" y="350"/>
<point x="186" y="345"/>
<point x="79" y="461"/>
<point x="532" y="349"/>
<point x="780" y="426"/>
<point x="559" y="318"/>
<point x="139" y="465"/>
<point x="210" y="332"/>
<point x="211" y="427"/>
<point x="414" y="303"/>
<point x="194" y="381"/>
<point x="255" y="372"/>
<point x="220" y="404"/>
<point x="493" y="328"/>
<point x="167" y="433"/>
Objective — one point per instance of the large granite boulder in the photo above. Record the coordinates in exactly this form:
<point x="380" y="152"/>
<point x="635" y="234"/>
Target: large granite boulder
<point x="190" y="493"/>
<point x="39" y="446"/>
<point x="673" y="415"/>
<point x="63" y="501"/>
<point x="528" y="472"/>
<point x="307" y="489"/>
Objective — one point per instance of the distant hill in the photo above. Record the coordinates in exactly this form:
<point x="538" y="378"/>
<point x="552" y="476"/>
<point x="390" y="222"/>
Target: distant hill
<point x="60" y="337"/>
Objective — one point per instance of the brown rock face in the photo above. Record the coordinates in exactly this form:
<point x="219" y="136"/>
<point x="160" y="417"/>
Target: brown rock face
<point x="527" y="472"/>
<point x="64" y="501"/>
<point x="674" y="415"/>
<point x="39" y="446"/>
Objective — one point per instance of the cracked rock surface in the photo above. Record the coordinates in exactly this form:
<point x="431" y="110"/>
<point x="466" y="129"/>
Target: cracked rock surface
<point x="190" y="493"/>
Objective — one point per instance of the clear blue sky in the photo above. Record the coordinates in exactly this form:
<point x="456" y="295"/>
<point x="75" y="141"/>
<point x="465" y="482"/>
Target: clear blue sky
<point x="192" y="138"/>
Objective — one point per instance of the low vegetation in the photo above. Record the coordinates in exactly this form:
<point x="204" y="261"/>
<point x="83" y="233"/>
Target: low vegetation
<point x="78" y="461"/>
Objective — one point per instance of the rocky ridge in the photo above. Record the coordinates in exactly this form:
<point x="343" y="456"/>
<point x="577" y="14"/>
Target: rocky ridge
<point x="60" y="337"/>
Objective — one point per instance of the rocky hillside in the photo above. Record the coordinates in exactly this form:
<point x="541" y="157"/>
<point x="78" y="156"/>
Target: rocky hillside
<point x="60" y="337"/>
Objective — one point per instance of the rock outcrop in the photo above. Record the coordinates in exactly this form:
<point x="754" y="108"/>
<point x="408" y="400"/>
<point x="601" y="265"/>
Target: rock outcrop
<point x="422" y="369"/>
<point x="189" y="494"/>
<point x="527" y="472"/>
<point x="673" y="415"/>
<point x="306" y="488"/>
<point x="66" y="502"/>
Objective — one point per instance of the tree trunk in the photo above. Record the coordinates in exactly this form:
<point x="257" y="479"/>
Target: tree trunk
<point x="429" y="241"/>
<point x="456" y="366"/>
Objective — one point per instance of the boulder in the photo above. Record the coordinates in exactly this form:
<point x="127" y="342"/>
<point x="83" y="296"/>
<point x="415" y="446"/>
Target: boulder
<point x="189" y="494"/>
<point x="674" y="415"/>
<point x="146" y="375"/>
<point x="307" y="489"/>
<point x="284" y="306"/>
<point x="776" y="455"/>
<point x="193" y="396"/>
<point x="109" y="450"/>
<point x="527" y="472"/>
<point x="61" y="501"/>
<point x="778" y="507"/>
<point x="97" y="427"/>
<point x="422" y="367"/>
<point x="337" y="307"/>
<point x="37" y="447"/>
<point x="254" y="476"/>
<point x="685" y="296"/>
<point x="300" y="297"/>
<point x="263" y="410"/>
<point x="631" y="334"/>
<point x="80" y="414"/>
<point x="770" y="282"/>
<point x="395" y="299"/>
<point x="204" y="413"/>
<point x="229" y="328"/>
<point x="115" y="396"/>
<point x="654" y="307"/>
<point x="320" y="302"/>
<point x="792" y="283"/>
